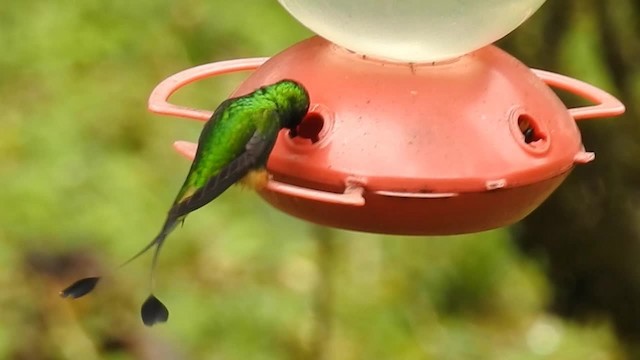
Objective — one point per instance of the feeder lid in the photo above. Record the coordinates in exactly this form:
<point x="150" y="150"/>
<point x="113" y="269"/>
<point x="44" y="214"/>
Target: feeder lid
<point x="481" y="122"/>
<point x="412" y="30"/>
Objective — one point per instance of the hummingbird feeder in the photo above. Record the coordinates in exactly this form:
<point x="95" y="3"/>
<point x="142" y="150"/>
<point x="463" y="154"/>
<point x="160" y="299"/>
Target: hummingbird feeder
<point x="409" y="133"/>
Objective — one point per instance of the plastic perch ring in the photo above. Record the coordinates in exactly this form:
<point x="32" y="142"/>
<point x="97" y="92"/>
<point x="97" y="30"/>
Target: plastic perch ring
<point x="605" y="106"/>
<point x="463" y="170"/>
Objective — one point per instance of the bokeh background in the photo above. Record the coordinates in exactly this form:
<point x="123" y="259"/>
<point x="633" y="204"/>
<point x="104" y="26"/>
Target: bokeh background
<point x="87" y="174"/>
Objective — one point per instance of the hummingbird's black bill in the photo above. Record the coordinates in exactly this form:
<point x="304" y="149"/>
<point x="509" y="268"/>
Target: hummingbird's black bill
<point x="153" y="311"/>
<point x="80" y="288"/>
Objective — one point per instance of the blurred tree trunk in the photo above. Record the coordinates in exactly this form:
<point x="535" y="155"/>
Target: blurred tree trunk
<point x="586" y="234"/>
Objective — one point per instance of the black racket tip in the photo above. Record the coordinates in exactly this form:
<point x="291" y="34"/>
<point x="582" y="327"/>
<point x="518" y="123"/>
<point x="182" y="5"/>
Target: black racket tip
<point x="80" y="288"/>
<point x="153" y="311"/>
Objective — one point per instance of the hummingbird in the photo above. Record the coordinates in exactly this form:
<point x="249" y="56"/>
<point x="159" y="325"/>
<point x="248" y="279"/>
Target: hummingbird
<point x="233" y="147"/>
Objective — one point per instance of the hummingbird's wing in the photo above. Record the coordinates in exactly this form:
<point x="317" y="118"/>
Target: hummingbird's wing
<point x="256" y="150"/>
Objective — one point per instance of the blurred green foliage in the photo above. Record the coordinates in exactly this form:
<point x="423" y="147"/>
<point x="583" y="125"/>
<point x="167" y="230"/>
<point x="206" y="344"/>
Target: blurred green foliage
<point x="86" y="175"/>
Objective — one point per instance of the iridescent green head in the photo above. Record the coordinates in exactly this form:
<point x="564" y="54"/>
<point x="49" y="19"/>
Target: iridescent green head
<point x="292" y="100"/>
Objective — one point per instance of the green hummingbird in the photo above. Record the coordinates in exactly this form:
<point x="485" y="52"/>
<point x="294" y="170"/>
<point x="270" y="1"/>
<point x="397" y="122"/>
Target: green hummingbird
<point x="233" y="147"/>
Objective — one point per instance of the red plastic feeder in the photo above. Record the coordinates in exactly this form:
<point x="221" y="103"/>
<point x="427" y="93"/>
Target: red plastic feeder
<point x="419" y="149"/>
